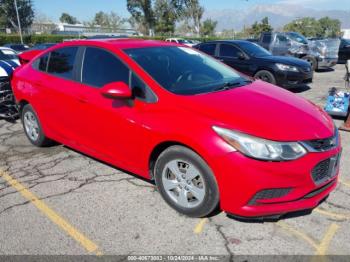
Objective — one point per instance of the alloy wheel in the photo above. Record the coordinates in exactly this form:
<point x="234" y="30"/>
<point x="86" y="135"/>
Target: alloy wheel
<point x="183" y="183"/>
<point x="31" y="125"/>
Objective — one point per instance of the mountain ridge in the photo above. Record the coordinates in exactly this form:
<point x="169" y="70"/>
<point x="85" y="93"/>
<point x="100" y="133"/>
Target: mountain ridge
<point x="278" y="14"/>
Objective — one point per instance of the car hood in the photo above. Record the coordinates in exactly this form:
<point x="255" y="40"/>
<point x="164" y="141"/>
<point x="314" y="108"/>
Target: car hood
<point x="263" y="110"/>
<point x="286" y="60"/>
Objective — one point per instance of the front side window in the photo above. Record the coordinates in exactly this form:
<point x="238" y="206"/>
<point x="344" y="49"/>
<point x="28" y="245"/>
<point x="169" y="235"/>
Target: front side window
<point x="298" y="38"/>
<point x="101" y="67"/>
<point x="141" y="90"/>
<point x="228" y="50"/>
<point x="183" y="70"/>
<point x="61" y="62"/>
<point x="208" y="49"/>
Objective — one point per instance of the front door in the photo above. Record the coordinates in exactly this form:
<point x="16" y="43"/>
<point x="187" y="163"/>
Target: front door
<point x="231" y="55"/>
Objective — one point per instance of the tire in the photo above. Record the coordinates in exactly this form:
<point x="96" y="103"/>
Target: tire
<point x="266" y="76"/>
<point x="312" y="60"/>
<point x="191" y="176"/>
<point x="32" y="127"/>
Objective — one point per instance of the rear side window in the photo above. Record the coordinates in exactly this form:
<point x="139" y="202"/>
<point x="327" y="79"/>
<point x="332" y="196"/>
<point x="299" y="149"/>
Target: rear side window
<point x="208" y="48"/>
<point x="100" y="67"/>
<point x="228" y="50"/>
<point x="61" y="62"/>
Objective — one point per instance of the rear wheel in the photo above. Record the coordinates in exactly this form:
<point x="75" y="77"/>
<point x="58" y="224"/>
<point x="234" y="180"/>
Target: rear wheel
<point x="186" y="182"/>
<point x="32" y="127"/>
<point x="266" y="76"/>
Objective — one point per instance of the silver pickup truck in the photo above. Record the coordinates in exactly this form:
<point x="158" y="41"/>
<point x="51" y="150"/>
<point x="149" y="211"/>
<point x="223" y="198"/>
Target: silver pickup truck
<point x="320" y="53"/>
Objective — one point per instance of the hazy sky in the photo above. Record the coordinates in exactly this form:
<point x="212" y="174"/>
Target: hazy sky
<point x="85" y="9"/>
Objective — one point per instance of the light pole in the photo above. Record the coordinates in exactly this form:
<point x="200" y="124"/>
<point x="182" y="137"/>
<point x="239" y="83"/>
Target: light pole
<point x="19" y="22"/>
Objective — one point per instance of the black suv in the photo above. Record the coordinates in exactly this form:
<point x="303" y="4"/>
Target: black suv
<point x="253" y="60"/>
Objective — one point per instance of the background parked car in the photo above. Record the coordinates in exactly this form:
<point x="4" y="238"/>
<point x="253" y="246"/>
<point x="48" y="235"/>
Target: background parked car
<point x="19" y="48"/>
<point x="344" y="50"/>
<point x="253" y="60"/>
<point x="8" y="63"/>
<point x="180" y="41"/>
<point x="8" y="55"/>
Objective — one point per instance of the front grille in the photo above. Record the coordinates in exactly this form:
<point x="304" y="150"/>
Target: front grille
<point x="321" y="145"/>
<point x="269" y="194"/>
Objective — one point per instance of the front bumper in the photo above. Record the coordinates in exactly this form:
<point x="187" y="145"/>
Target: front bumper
<point x="324" y="63"/>
<point x="241" y="178"/>
<point x="293" y="79"/>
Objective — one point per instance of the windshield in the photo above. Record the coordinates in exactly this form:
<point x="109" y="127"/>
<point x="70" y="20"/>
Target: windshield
<point x="253" y="49"/>
<point x="298" y="37"/>
<point x="7" y="54"/>
<point x="185" y="71"/>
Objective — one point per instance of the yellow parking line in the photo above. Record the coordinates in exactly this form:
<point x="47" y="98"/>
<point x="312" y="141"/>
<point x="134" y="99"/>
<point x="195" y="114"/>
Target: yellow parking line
<point x="298" y="233"/>
<point x="199" y="227"/>
<point x="52" y="215"/>
<point x="323" y="247"/>
<point x="332" y="214"/>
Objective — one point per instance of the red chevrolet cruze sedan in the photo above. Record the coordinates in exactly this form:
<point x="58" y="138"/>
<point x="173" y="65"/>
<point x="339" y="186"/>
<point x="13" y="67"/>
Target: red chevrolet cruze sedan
<point x="206" y="134"/>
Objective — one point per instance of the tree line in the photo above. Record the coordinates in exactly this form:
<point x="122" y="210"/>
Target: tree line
<point x="169" y="17"/>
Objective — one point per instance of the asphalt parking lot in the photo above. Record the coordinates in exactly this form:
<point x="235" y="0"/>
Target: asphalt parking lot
<point x="55" y="201"/>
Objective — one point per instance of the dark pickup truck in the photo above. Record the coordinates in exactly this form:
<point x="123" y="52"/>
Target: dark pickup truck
<point x="320" y="54"/>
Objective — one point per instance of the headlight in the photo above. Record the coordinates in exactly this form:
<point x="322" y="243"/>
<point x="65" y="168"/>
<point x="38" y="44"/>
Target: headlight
<point x="261" y="148"/>
<point x="283" y="67"/>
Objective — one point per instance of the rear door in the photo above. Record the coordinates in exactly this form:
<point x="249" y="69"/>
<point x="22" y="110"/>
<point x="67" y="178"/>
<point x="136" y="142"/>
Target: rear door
<point x="56" y="83"/>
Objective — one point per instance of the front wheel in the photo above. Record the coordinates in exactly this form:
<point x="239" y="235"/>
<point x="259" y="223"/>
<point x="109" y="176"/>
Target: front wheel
<point x="186" y="182"/>
<point x="266" y="76"/>
<point x="312" y="61"/>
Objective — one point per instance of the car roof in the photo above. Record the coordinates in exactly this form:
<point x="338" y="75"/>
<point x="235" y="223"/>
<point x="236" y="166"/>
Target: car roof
<point x="5" y="48"/>
<point x="230" y="41"/>
<point x="121" y="43"/>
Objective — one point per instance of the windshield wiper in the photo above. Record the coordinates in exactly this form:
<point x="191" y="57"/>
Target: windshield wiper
<point x="233" y="84"/>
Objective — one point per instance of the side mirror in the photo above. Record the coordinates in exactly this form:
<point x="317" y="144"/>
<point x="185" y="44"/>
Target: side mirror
<point x="116" y="90"/>
<point x="241" y="56"/>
